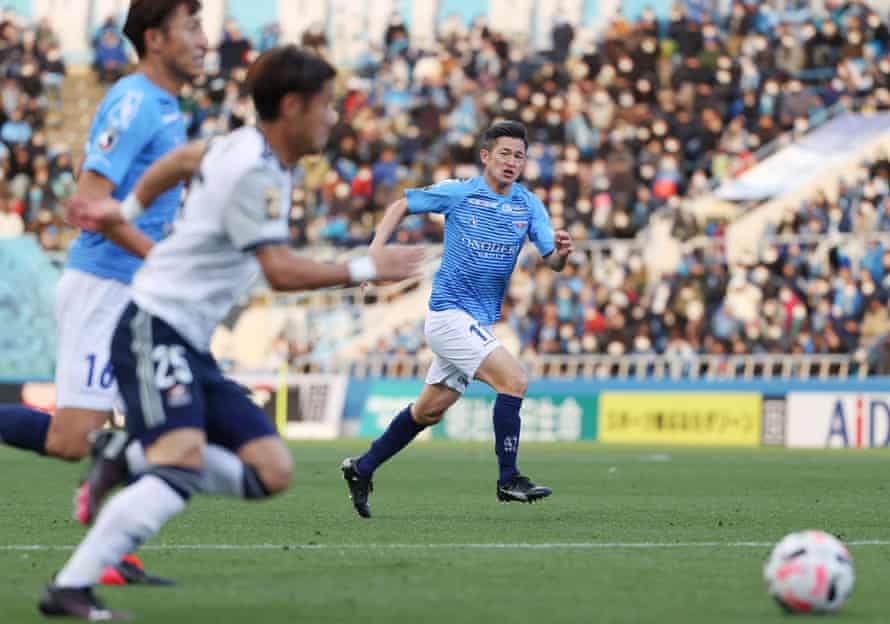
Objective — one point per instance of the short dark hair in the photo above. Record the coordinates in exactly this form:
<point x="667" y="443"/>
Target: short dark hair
<point x="147" y="14"/>
<point x="511" y="129"/>
<point x="282" y="70"/>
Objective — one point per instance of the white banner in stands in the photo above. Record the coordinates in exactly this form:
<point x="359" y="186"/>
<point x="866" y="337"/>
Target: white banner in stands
<point x="313" y="408"/>
<point x="798" y="165"/>
<point x="838" y="420"/>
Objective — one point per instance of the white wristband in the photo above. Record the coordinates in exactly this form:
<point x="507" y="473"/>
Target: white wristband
<point x="131" y="208"/>
<point x="362" y="270"/>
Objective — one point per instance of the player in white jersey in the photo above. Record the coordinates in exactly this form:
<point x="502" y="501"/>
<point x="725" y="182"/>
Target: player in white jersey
<point x="137" y="122"/>
<point x="232" y="227"/>
<point x="487" y="220"/>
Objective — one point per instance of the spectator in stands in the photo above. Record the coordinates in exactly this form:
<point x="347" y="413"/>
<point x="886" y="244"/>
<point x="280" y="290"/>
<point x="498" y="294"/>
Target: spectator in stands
<point x="45" y="35"/>
<point x="16" y="130"/>
<point x="110" y="59"/>
<point x="52" y="73"/>
<point x="234" y="48"/>
<point x="270" y="36"/>
<point x="11" y="223"/>
<point x="395" y="39"/>
<point x="315" y="38"/>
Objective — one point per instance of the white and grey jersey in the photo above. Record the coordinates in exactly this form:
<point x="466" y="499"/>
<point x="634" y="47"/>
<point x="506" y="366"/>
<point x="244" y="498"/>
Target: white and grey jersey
<point x="239" y="201"/>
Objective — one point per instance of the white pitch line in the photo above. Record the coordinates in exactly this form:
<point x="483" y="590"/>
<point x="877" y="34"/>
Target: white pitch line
<point x="491" y="546"/>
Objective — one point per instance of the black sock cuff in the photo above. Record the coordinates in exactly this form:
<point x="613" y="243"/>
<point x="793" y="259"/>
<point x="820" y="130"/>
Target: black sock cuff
<point x="418" y="427"/>
<point x="509" y="400"/>
<point x="253" y="485"/>
<point x="183" y="481"/>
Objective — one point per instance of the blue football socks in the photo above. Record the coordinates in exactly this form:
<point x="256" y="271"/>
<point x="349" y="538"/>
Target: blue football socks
<point x="506" y="434"/>
<point x="397" y="436"/>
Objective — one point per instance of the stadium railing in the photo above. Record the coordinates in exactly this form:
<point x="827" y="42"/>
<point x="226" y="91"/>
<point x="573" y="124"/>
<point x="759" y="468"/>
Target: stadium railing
<point x="633" y="367"/>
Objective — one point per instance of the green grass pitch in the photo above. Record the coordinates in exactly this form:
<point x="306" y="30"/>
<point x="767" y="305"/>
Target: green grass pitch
<point x="604" y="532"/>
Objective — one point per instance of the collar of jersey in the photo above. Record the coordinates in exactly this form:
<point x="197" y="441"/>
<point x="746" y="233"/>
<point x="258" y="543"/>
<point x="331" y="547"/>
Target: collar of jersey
<point x="501" y="198"/>
<point x="156" y="87"/>
<point x="267" y="149"/>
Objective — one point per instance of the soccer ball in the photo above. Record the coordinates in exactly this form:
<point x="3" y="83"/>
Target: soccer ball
<point x="809" y="572"/>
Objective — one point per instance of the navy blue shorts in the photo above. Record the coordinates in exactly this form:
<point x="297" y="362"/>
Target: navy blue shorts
<point x="166" y="384"/>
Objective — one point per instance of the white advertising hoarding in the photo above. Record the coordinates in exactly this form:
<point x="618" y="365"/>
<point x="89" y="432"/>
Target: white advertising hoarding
<point x="838" y="420"/>
<point x="303" y="406"/>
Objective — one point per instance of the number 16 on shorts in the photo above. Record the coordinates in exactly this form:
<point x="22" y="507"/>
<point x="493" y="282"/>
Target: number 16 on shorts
<point x="94" y="378"/>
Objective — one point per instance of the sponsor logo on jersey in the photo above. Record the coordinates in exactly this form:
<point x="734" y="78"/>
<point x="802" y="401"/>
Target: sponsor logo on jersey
<point x="179" y="396"/>
<point x="481" y="202"/>
<point x="273" y="203"/>
<point x="489" y="249"/>
<point x="512" y="208"/>
<point x="480" y="245"/>
<point x="107" y="139"/>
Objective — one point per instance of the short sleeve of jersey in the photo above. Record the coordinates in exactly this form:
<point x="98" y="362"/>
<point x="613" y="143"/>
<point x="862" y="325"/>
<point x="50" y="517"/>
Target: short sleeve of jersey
<point x="541" y="230"/>
<point x="440" y="198"/>
<point x="252" y="214"/>
<point x="120" y="132"/>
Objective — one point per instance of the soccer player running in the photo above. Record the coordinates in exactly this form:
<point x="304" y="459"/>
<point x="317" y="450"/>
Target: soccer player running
<point x="486" y="222"/>
<point x="233" y="225"/>
<point x="136" y="123"/>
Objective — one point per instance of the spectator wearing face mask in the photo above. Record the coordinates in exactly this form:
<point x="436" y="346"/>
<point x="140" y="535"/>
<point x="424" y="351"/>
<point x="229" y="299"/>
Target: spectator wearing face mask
<point x="110" y="55"/>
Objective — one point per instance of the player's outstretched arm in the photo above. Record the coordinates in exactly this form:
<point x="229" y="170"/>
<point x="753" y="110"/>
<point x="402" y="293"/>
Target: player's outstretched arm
<point x="562" y="250"/>
<point x="92" y="211"/>
<point x="391" y="219"/>
<point x="177" y="166"/>
<point x="95" y="189"/>
<point x="286" y="271"/>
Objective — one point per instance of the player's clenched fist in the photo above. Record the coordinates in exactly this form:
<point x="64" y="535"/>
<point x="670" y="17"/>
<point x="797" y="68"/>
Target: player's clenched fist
<point x="396" y="262"/>
<point x="563" y="243"/>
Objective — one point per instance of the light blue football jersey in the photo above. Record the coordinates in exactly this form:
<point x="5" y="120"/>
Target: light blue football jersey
<point x="484" y="232"/>
<point x="137" y="123"/>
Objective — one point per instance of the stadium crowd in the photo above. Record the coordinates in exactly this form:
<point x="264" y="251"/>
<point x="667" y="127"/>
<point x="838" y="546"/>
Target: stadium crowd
<point x="650" y="113"/>
<point x="34" y="174"/>
<point x="620" y="127"/>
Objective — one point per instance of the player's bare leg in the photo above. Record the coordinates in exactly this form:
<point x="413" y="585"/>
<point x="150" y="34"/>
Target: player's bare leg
<point x="433" y="402"/>
<point x="69" y="431"/>
<point x="272" y="464"/>
<point x="504" y="373"/>
<point x="429" y="409"/>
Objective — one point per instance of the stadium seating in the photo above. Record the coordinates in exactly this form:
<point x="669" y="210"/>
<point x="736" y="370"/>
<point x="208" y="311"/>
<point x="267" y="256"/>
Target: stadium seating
<point x="626" y="131"/>
<point x="36" y="169"/>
